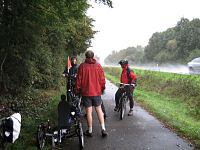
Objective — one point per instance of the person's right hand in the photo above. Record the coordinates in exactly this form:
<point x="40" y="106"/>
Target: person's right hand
<point x="103" y="92"/>
<point x="63" y="75"/>
<point x="133" y="85"/>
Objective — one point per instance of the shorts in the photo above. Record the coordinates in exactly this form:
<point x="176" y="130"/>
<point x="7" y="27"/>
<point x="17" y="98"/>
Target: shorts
<point x="89" y="101"/>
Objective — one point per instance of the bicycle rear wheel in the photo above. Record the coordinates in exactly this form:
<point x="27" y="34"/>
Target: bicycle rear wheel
<point x="123" y="107"/>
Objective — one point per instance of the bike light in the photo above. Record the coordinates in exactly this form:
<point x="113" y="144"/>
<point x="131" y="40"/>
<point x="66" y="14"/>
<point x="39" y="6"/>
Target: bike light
<point x="73" y="113"/>
<point x="64" y="130"/>
<point x="56" y="132"/>
<point x="7" y="134"/>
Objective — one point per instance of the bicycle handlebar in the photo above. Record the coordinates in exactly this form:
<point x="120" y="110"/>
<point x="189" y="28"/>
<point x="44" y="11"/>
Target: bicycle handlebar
<point x="67" y="75"/>
<point x="124" y="84"/>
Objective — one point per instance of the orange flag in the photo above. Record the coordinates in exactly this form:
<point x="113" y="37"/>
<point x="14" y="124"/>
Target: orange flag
<point x="69" y="65"/>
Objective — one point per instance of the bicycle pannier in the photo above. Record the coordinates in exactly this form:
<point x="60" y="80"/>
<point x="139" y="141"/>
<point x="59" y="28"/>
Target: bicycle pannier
<point x="11" y="128"/>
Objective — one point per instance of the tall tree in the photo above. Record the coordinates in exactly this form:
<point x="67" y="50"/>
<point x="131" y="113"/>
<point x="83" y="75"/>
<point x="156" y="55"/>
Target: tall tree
<point x="36" y="36"/>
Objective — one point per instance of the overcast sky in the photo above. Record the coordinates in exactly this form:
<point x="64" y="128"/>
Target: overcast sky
<point x="132" y="22"/>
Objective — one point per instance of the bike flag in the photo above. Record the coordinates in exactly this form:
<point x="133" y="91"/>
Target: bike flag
<point x="69" y="65"/>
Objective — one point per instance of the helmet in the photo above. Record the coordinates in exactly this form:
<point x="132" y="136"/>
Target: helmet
<point x="123" y="62"/>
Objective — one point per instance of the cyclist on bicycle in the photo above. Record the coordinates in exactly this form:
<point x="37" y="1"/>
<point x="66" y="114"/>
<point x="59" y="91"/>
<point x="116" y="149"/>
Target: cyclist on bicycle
<point x="127" y="77"/>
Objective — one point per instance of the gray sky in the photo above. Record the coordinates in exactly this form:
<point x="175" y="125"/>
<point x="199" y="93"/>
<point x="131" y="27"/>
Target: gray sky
<point x="132" y="22"/>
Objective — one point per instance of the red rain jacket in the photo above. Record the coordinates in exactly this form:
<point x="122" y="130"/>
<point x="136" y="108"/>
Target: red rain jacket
<point x="127" y="73"/>
<point x="90" y="79"/>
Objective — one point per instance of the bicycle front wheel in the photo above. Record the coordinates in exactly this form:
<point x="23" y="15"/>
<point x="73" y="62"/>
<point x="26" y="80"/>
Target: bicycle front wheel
<point x="123" y="107"/>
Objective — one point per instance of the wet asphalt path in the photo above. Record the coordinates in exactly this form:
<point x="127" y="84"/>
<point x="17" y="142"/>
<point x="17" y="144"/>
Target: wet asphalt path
<point x="138" y="132"/>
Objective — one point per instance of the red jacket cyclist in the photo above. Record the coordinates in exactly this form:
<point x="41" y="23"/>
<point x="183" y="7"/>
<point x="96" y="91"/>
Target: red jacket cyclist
<point x="127" y="77"/>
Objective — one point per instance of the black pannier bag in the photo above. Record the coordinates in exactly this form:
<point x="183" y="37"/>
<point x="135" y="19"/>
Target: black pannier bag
<point x="12" y="127"/>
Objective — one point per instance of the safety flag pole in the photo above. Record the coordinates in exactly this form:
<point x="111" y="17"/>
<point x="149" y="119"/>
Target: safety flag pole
<point x="69" y="65"/>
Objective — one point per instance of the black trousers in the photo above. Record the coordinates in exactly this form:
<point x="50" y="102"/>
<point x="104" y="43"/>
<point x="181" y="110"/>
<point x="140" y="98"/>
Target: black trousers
<point x="119" y="93"/>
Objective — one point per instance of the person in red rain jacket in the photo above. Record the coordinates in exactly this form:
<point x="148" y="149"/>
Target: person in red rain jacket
<point x="127" y="77"/>
<point x="90" y="84"/>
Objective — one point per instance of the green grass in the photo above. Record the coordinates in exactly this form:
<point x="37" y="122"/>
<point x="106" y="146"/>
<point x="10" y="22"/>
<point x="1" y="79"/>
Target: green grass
<point x="174" y="114"/>
<point x="163" y="99"/>
<point x="27" y="139"/>
<point x="113" y="79"/>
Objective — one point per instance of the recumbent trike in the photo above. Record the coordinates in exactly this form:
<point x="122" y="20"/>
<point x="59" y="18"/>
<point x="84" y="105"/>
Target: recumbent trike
<point x="69" y="124"/>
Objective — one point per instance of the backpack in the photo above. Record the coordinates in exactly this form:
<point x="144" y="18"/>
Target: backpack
<point x="128" y="77"/>
<point x="11" y="128"/>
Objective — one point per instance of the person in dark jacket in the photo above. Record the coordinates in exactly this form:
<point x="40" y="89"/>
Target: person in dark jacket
<point x="127" y="77"/>
<point x="90" y="84"/>
<point x="70" y="74"/>
<point x="71" y="71"/>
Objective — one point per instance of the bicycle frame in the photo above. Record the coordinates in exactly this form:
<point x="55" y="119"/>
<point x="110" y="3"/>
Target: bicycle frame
<point x="70" y="88"/>
<point x="71" y="97"/>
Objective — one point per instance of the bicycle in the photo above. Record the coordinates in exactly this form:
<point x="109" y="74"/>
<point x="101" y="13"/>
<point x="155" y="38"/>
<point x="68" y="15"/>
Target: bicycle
<point x="71" y="78"/>
<point x="70" y="91"/>
<point x="123" y="99"/>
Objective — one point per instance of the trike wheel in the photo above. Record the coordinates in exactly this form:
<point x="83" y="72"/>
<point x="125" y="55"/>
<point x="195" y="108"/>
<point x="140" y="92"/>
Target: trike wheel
<point x="80" y="135"/>
<point x="41" y="136"/>
<point x="53" y="143"/>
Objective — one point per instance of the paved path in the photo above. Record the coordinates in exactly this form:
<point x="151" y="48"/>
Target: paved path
<point x="138" y="132"/>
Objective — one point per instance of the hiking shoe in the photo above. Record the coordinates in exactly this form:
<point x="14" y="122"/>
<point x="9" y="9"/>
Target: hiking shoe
<point x="130" y="113"/>
<point x="86" y="133"/>
<point x="116" y="108"/>
<point x="104" y="133"/>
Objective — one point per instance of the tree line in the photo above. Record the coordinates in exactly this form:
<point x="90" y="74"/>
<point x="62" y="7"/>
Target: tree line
<point x="178" y="44"/>
<point x="37" y="36"/>
<point x="135" y="55"/>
